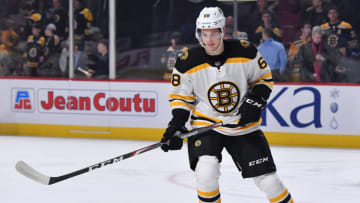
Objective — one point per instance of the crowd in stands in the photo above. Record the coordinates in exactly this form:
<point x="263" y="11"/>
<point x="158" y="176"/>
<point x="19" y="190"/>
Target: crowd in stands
<point x="302" y="40"/>
<point x="323" y="47"/>
<point x="326" y="48"/>
<point x="34" y="41"/>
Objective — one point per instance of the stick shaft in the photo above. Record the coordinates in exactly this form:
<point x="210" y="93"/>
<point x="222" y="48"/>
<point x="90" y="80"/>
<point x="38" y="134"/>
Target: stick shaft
<point x="103" y="163"/>
<point x="33" y="174"/>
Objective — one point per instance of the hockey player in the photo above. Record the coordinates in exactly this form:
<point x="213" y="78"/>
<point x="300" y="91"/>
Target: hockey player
<point x="219" y="80"/>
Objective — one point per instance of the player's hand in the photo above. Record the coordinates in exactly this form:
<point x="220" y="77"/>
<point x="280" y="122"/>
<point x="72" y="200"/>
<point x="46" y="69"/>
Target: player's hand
<point x="250" y="109"/>
<point x="169" y="139"/>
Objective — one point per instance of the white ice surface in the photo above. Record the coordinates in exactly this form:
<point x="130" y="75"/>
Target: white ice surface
<point x="312" y="175"/>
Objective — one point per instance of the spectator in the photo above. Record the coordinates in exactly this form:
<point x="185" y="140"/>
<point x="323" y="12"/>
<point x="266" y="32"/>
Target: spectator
<point x="314" y="61"/>
<point x="229" y="30"/>
<point x="101" y="68"/>
<point x="9" y="40"/>
<point x="339" y="34"/>
<point x="173" y="51"/>
<point x="19" y="20"/>
<point x="304" y="38"/>
<point x="80" y="59"/>
<point x="316" y="13"/>
<point x="50" y="66"/>
<point x="60" y="19"/>
<point x="255" y="18"/>
<point x="9" y="37"/>
<point x="32" y="17"/>
<point x="274" y="54"/>
<point x="267" y="23"/>
<point x="34" y="50"/>
<point x="52" y="40"/>
<point x="83" y="20"/>
<point x="295" y="47"/>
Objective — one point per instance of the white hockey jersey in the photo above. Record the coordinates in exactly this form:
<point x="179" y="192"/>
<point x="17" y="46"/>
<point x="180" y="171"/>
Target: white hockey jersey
<point x="212" y="87"/>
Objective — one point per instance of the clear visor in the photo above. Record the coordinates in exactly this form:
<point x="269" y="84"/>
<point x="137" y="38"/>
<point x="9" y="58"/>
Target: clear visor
<point x="209" y="35"/>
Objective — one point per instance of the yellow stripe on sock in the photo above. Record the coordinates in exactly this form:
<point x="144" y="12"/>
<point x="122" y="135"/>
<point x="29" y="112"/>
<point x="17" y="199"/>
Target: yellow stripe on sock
<point x="280" y="197"/>
<point x="208" y="194"/>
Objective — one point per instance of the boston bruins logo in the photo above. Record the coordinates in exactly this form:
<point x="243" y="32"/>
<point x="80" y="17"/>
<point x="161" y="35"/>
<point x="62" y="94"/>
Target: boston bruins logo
<point x="224" y="96"/>
<point x="333" y="40"/>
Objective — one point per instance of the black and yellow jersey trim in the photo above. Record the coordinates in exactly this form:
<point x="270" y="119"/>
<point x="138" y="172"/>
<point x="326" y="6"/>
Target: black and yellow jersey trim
<point x="265" y="79"/>
<point x="199" y="119"/>
<point x="233" y="53"/>
<point x="341" y="24"/>
<point x="177" y="100"/>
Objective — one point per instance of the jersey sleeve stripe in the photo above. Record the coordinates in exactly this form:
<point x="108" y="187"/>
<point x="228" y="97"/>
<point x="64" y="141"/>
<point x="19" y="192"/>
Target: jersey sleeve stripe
<point x="269" y="84"/>
<point x="177" y="103"/>
<point x="181" y="97"/>
<point x="190" y="103"/>
<point x="198" y="68"/>
<point x="266" y="76"/>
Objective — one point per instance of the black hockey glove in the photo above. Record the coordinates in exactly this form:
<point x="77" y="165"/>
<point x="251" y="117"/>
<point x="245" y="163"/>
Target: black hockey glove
<point x="169" y="140"/>
<point x="250" y="109"/>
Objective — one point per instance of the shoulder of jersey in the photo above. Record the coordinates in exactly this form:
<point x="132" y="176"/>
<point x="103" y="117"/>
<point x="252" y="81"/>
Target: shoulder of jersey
<point x="195" y="56"/>
<point x="240" y="48"/>
<point x="190" y="58"/>
<point x="325" y="25"/>
<point x="346" y="25"/>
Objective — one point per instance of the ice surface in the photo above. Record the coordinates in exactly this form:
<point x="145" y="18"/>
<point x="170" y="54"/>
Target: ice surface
<point x="312" y="175"/>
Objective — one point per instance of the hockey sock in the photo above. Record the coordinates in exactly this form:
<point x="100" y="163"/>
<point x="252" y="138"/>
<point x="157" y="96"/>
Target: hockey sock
<point x="284" y="197"/>
<point x="274" y="188"/>
<point x="207" y="173"/>
<point x="205" y="197"/>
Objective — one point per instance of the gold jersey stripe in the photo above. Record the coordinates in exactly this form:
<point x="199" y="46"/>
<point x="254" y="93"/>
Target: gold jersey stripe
<point x="177" y="96"/>
<point x="198" y="68"/>
<point x="237" y="60"/>
<point x="197" y="113"/>
<point x="280" y="197"/>
<point x="266" y="76"/>
<point x="243" y="128"/>
<point x="205" y="123"/>
<point x="200" y="123"/>
<point x="270" y="84"/>
<point x="180" y="103"/>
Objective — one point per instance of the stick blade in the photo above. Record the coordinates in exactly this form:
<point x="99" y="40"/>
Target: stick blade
<point x="31" y="173"/>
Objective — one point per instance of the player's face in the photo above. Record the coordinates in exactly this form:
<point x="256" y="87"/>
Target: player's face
<point x="211" y="38"/>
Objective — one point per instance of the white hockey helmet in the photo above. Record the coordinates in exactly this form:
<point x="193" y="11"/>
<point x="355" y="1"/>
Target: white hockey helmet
<point x="209" y="18"/>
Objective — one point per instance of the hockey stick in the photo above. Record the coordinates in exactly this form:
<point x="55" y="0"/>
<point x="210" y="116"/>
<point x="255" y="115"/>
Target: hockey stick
<point x="35" y="175"/>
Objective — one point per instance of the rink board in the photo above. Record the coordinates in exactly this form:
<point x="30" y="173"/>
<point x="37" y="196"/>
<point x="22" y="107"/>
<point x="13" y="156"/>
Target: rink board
<point x="296" y="114"/>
